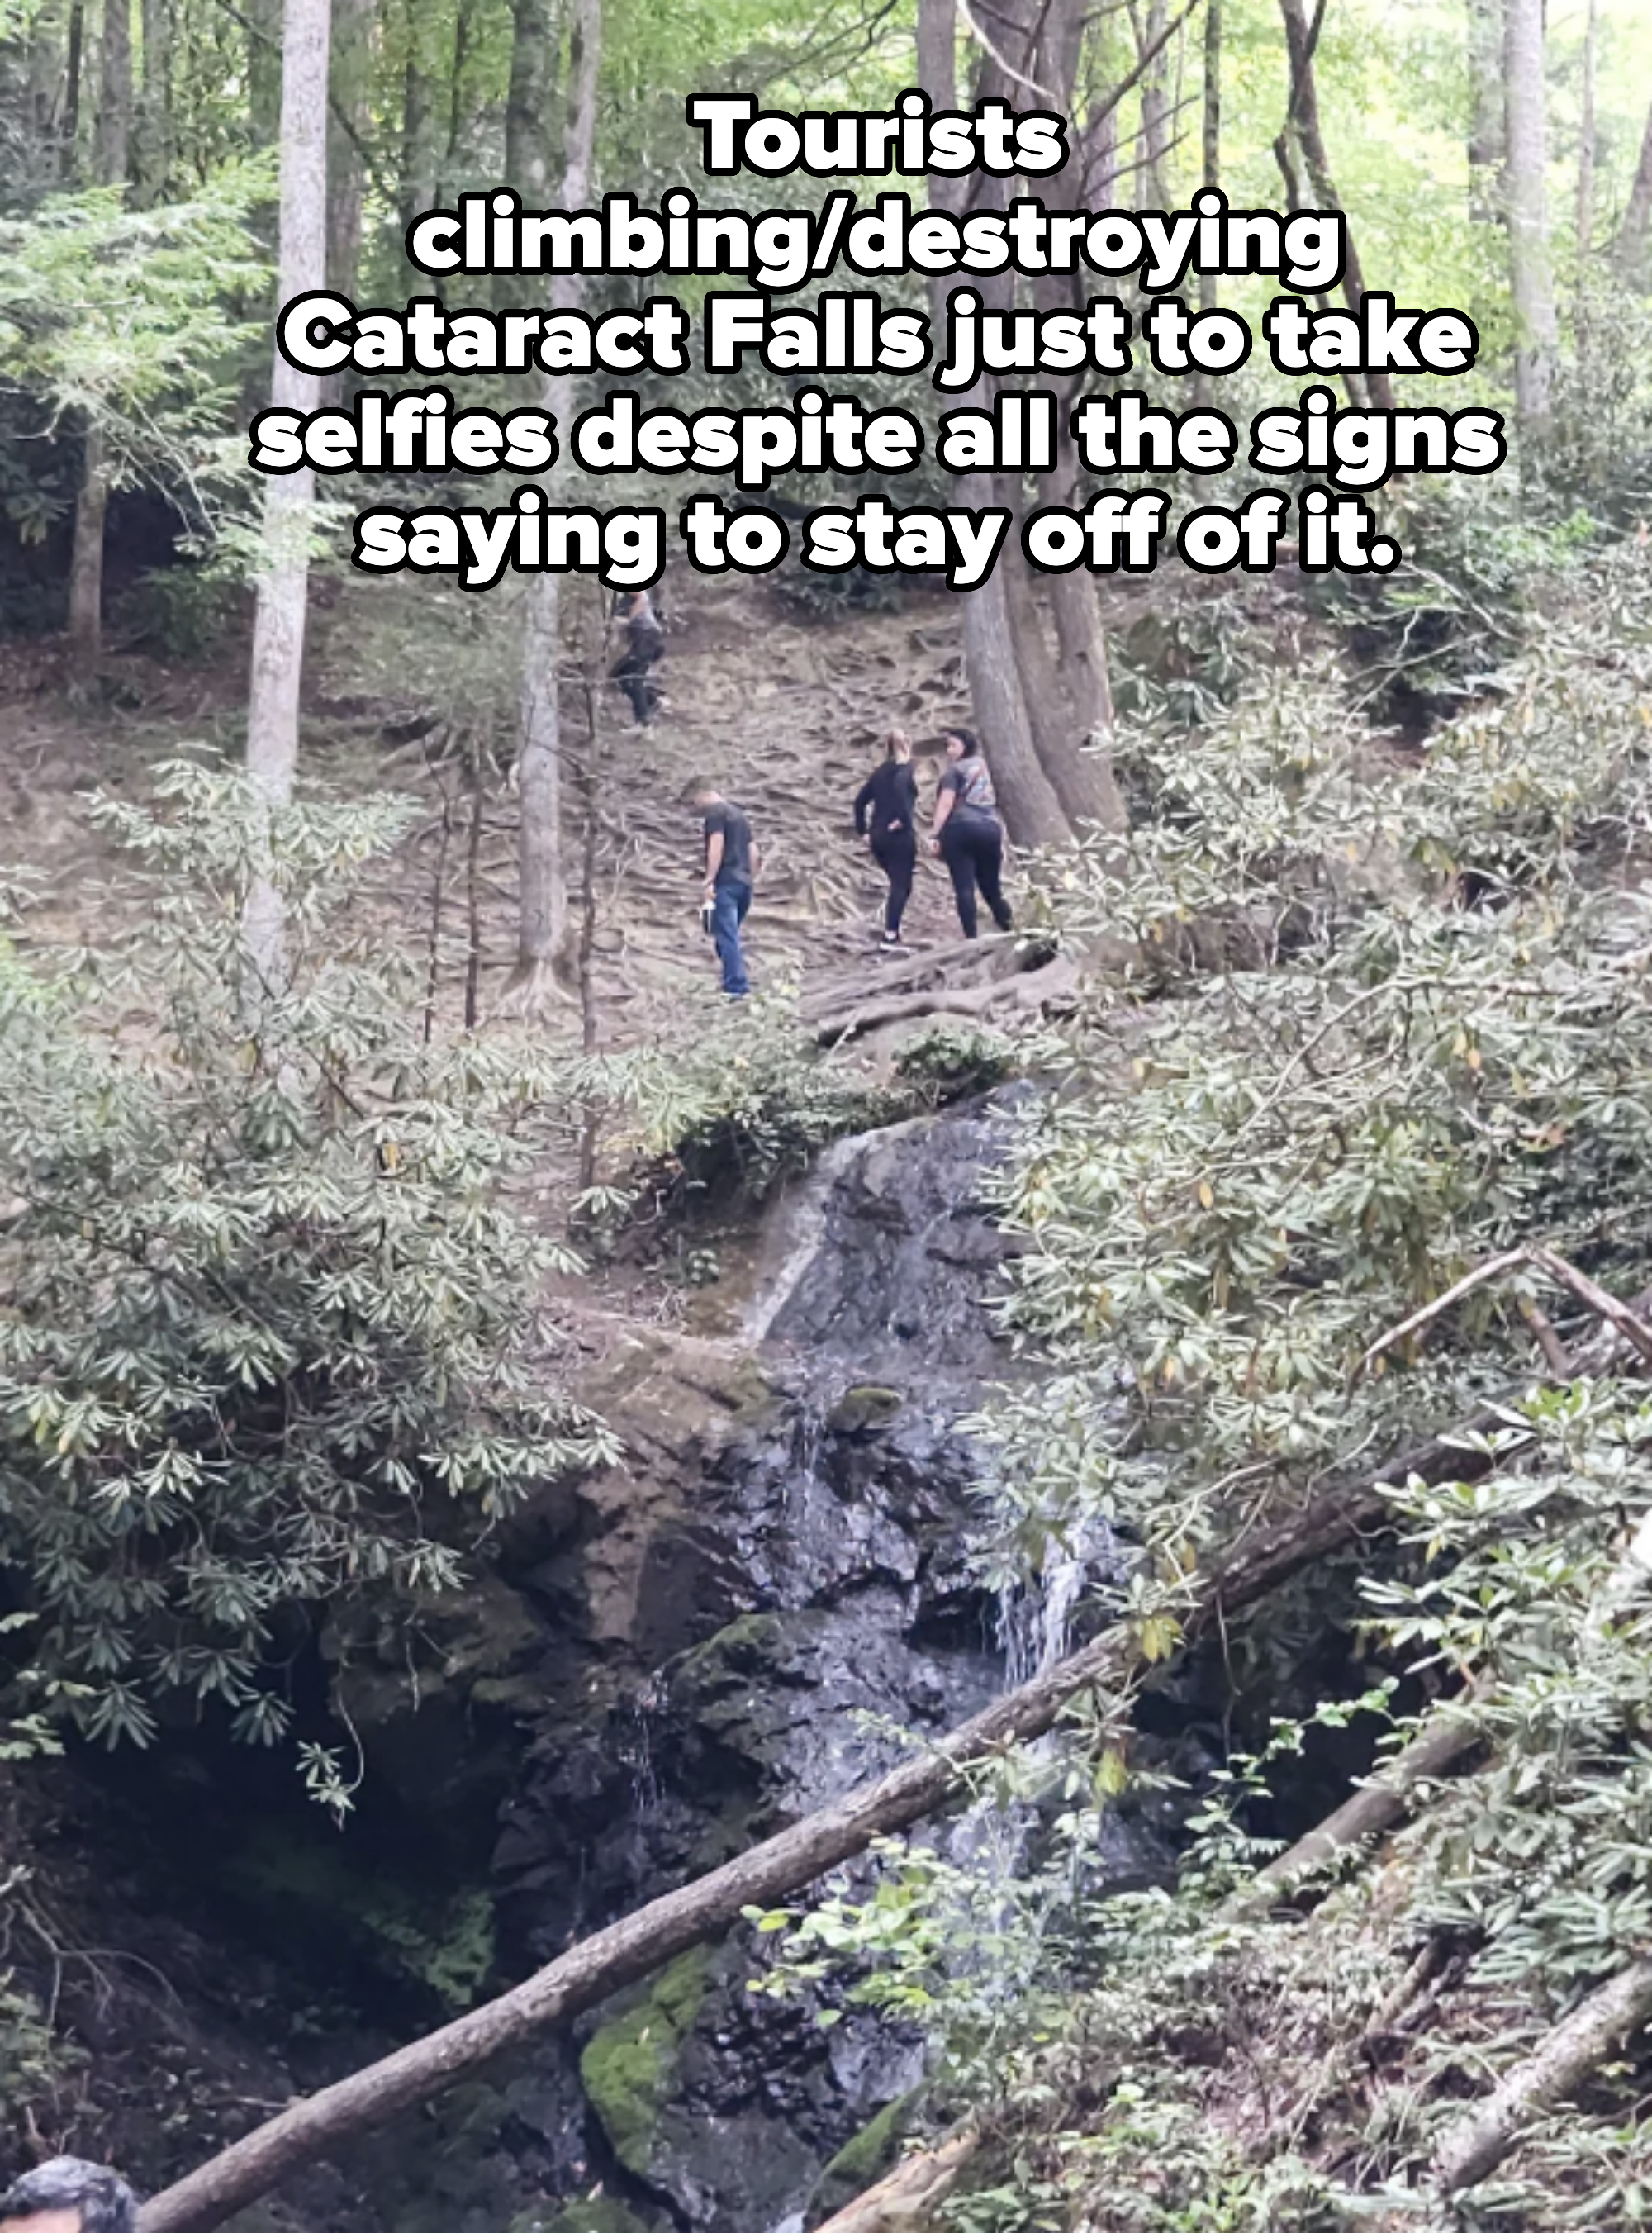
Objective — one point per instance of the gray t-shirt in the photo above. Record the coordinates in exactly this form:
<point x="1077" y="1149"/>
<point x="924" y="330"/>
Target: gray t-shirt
<point x="976" y="802"/>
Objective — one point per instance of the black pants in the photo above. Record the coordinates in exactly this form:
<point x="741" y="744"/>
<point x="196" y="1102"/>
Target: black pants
<point x="895" y="852"/>
<point x="973" y="851"/>
<point x="633" y="676"/>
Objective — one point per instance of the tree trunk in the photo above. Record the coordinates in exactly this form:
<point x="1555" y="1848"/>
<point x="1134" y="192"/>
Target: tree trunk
<point x="86" y="561"/>
<point x="263" y="35"/>
<point x="283" y="585"/>
<point x="1477" y="2143"/>
<point x="937" y="72"/>
<point x="1486" y="137"/>
<point x="1585" y="224"/>
<point x="542" y="894"/>
<point x="351" y="77"/>
<point x="1210" y="128"/>
<point x="69" y="161"/>
<point x="416" y="185"/>
<point x="111" y="149"/>
<point x="1032" y="812"/>
<point x="151" y="138"/>
<point x="454" y="167"/>
<point x="115" y="96"/>
<point x="1066" y="691"/>
<point x="527" y="108"/>
<point x="1304" y="117"/>
<point x="777" y="1869"/>
<point x="1153" y="142"/>
<point x="1629" y="250"/>
<point x="1531" y="280"/>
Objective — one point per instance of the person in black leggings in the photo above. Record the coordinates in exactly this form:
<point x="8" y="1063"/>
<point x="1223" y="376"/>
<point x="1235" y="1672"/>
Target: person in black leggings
<point x="644" y="644"/>
<point x="885" y="809"/>
<point x="967" y="833"/>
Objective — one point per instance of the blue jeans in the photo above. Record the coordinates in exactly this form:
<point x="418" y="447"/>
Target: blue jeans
<point x="729" y="904"/>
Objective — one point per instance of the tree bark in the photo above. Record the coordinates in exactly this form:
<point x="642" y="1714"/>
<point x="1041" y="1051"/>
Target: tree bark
<point x="1485" y="133"/>
<point x="86" y="559"/>
<point x="1586" y="128"/>
<point x="1449" y="1733"/>
<point x="543" y="884"/>
<point x="908" y="2196"/>
<point x="112" y="146"/>
<point x="1304" y="118"/>
<point x="152" y="137"/>
<point x="283" y="587"/>
<point x="1153" y="143"/>
<point x="1629" y="250"/>
<point x="350" y="79"/>
<point x="1210" y="128"/>
<point x="1526" y="207"/>
<point x="263" y="20"/>
<point x="454" y="167"/>
<point x="1477" y="2143"/>
<point x="777" y="1869"/>
<point x="69" y="156"/>
<point x="111" y="151"/>
<point x="527" y="108"/>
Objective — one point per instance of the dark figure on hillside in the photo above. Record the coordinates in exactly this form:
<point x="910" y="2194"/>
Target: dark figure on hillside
<point x="731" y="863"/>
<point x="69" y="2196"/>
<point x="885" y="814"/>
<point x="967" y="833"/>
<point x="645" y="645"/>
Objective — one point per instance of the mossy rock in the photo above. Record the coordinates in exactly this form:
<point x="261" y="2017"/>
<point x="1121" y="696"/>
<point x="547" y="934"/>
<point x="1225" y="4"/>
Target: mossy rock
<point x="860" y="1408"/>
<point x="629" y="2065"/>
<point x="860" y="2162"/>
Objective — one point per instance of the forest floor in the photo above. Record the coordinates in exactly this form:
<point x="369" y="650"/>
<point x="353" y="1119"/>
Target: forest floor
<point x="787" y="715"/>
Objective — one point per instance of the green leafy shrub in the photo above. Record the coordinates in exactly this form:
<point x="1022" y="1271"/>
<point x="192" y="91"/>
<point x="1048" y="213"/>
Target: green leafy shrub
<point x="268" y="1333"/>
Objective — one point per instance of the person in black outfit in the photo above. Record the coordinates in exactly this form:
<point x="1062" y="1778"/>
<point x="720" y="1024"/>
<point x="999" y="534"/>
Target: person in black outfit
<point x="967" y="833"/>
<point x="731" y="863"/>
<point x="885" y="809"/>
<point x="644" y="644"/>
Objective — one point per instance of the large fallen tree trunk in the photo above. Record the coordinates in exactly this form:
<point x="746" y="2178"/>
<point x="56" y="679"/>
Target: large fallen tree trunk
<point x="1477" y="2143"/>
<point x="1450" y="1731"/>
<point x="777" y="1869"/>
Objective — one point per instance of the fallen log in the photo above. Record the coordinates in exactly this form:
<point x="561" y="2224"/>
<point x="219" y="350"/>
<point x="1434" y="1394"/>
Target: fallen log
<point x="1449" y="1733"/>
<point x="1477" y="2143"/>
<point x="781" y="1866"/>
<point x="909" y="2195"/>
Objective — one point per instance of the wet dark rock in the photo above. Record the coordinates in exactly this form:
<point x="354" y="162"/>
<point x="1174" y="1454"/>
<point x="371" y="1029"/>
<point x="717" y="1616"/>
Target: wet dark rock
<point x="747" y="1616"/>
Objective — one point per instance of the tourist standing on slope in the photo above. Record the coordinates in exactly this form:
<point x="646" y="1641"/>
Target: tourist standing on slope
<point x="885" y="811"/>
<point x="731" y="862"/>
<point x="644" y="644"/>
<point x="967" y="831"/>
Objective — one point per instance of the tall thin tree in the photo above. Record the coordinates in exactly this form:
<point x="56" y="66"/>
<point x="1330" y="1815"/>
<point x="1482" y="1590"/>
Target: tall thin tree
<point x="1629" y="250"/>
<point x="1485" y="130"/>
<point x="542" y="922"/>
<point x="283" y="585"/>
<point x="1525" y="202"/>
<point x="112" y="148"/>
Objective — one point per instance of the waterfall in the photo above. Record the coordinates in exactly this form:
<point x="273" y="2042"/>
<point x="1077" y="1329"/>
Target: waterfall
<point x="1035" y="1618"/>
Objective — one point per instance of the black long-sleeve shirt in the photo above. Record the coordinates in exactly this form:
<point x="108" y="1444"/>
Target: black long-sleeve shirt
<point x="889" y="796"/>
